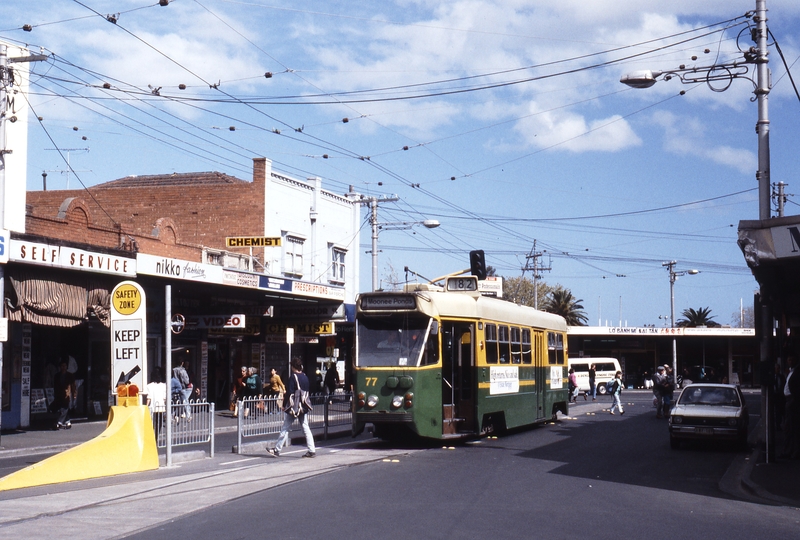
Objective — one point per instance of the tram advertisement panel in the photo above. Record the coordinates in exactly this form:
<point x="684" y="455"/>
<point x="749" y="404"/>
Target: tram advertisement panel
<point x="556" y="377"/>
<point x="503" y="380"/>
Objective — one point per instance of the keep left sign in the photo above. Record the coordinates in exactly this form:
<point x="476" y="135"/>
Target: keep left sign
<point x="128" y="335"/>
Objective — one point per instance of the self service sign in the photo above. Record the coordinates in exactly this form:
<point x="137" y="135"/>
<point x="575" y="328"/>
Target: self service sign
<point x="128" y="335"/>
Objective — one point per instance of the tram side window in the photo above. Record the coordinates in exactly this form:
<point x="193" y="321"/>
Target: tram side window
<point x="526" y="346"/>
<point x="516" y="345"/>
<point x="555" y="348"/>
<point x="431" y="354"/>
<point x="491" y="344"/>
<point x="504" y="342"/>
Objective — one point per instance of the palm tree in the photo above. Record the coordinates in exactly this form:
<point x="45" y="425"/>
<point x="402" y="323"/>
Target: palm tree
<point x="693" y="319"/>
<point x="561" y="302"/>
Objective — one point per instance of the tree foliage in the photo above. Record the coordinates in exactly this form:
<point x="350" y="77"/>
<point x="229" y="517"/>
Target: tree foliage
<point x="745" y="318"/>
<point x="693" y="318"/>
<point x="519" y="290"/>
<point x="561" y="302"/>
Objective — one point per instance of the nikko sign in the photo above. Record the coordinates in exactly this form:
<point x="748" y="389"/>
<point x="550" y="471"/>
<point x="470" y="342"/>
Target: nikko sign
<point x="128" y="334"/>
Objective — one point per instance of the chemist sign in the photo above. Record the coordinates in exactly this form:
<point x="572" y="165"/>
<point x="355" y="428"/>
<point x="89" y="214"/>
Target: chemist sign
<point x="128" y="335"/>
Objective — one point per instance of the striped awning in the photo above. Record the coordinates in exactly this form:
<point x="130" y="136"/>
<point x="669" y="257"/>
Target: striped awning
<point x="66" y="303"/>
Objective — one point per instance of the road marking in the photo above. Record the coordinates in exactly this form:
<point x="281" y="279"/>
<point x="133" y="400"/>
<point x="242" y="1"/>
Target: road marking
<point x="238" y="461"/>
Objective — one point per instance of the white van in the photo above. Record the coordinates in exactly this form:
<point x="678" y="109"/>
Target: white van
<point x="605" y="370"/>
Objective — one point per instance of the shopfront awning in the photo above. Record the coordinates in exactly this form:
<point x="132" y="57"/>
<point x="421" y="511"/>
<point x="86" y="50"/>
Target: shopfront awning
<point x="38" y="298"/>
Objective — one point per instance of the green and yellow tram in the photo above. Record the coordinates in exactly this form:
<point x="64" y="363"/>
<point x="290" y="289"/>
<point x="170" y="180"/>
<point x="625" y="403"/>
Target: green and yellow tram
<point x="447" y="362"/>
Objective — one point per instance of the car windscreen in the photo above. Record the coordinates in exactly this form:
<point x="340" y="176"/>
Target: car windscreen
<point x="394" y="341"/>
<point x="702" y="395"/>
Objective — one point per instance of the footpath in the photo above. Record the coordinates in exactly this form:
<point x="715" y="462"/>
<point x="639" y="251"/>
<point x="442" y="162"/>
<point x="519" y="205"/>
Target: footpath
<point x="116" y="507"/>
<point x="750" y="477"/>
<point x="45" y="440"/>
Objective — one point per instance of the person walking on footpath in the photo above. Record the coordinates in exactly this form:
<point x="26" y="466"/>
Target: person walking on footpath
<point x="295" y="406"/>
<point x="331" y="381"/>
<point x="616" y="391"/>
<point x="181" y="373"/>
<point x="572" y="387"/>
<point x="668" y="391"/>
<point x="592" y="382"/>
<point x="64" y="394"/>
<point x="276" y="387"/>
<point x="658" y="390"/>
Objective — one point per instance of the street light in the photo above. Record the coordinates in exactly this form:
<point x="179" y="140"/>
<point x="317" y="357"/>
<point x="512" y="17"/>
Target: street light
<point x="726" y="72"/>
<point x="391" y="226"/>
<point x="673" y="276"/>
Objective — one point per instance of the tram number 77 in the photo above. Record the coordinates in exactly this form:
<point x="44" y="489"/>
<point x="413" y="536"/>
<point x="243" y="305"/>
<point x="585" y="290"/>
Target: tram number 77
<point x="370" y="381"/>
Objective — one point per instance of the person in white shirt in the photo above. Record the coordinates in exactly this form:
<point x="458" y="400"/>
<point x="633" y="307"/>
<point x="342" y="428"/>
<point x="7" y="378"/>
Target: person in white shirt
<point x="791" y="391"/>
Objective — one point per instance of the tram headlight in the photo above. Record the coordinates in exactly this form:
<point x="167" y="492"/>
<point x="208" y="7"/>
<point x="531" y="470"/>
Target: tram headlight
<point x="408" y="400"/>
<point x="397" y="402"/>
<point x="372" y="400"/>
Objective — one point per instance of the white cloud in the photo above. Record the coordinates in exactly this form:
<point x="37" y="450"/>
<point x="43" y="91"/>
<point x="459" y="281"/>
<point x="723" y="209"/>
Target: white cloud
<point x="688" y="137"/>
<point x="573" y="132"/>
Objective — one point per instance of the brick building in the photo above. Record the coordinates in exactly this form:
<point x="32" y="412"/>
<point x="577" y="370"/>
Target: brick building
<point x="171" y="230"/>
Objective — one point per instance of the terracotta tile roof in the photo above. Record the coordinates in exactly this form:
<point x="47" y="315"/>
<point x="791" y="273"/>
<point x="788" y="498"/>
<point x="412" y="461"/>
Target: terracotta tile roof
<point x="171" y="180"/>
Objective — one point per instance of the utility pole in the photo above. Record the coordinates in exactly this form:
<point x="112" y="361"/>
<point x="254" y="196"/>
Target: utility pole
<point x="373" y="221"/>
<point x="6" y="82"/>
<point x="780" y="197"/>
<point x="536" y="268"/>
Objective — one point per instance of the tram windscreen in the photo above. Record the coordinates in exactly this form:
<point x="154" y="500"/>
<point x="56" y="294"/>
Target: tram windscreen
<point x="397" y="341"/>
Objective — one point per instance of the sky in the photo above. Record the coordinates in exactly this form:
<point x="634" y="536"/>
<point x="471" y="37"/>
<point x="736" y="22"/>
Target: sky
<point x="504" y="120"/>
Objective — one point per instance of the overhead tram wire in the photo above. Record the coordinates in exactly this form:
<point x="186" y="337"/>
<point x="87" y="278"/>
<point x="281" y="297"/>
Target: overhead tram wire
<point x="228" y="117"/>
<point x="306" y="81"/>
<point x="305" y="101"/>
<point x="182" y="130"/>
<point x="73" y="171"/>
<point x="32" y="26"/>
<point x="261" y="112"/>
<point x="243" y="102"/>
<point x="151" y="133"/>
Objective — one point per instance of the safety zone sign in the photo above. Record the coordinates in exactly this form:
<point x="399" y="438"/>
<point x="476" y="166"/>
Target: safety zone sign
<point x="128" y="334"/>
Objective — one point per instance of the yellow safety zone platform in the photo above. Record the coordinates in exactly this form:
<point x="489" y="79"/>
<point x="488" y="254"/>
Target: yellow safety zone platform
<point x="127" y="445"/>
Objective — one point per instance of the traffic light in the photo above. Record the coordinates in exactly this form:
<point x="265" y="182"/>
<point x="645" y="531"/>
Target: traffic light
<point x="477" y="263"/>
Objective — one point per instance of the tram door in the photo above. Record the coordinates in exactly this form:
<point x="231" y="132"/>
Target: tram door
<point x="458" y="378"/>
<point x="542" y="374"/>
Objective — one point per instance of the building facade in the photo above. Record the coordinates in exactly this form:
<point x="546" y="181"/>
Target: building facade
<point x="237" y="262"/>
<point x="705" y="353"/>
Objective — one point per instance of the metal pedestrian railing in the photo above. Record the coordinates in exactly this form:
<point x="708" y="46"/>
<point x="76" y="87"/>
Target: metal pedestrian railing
<point x="192" y="423"/>
<point x="260" y="416"/>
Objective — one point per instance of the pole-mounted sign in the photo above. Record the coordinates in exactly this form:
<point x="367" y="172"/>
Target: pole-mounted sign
<point x="128" y="335"/>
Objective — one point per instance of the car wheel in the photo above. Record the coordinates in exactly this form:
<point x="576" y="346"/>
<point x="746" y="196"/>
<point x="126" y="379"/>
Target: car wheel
<point x="674" y="443"/>
<point x="601" y="389"/>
